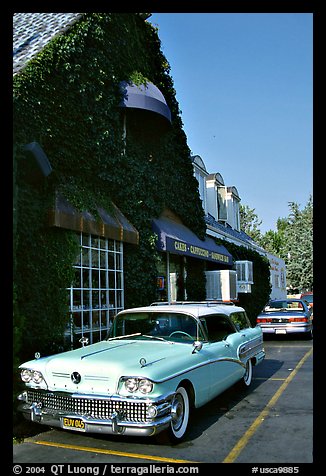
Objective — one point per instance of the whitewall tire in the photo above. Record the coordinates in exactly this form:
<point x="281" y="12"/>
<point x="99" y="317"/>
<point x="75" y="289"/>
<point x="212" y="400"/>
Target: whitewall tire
<point x="247" y="378"/>
<point x="180" y="415"/>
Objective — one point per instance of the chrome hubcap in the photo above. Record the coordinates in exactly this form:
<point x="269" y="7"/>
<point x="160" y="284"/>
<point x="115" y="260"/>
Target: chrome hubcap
<point x="177" y="411"/>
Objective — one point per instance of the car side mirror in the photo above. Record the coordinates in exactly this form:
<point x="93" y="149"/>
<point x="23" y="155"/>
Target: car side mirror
<point x="197" y="346"/>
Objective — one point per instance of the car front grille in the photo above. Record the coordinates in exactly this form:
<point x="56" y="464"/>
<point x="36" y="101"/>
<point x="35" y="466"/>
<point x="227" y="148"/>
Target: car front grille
<point x="96" y="408"/>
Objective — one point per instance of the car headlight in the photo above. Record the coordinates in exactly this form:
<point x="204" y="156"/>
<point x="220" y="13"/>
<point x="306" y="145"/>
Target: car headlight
<point x="145" y="385"/>
<point x="133" y="384"/>
<point x="28" y="375"/>
<point x="37" y="377"/>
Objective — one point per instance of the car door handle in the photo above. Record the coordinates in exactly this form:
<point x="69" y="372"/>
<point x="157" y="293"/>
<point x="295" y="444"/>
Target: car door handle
<point x="226" y="345"/>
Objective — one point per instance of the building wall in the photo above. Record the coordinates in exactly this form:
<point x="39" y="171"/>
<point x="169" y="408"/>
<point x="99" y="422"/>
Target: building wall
<point x="277" y="277"/>
<point x="67" y="99"/>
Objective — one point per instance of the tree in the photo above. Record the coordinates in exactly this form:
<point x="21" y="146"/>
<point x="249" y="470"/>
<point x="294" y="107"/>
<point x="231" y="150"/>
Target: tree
<point x="297" y="247"/>
<point x="273" y="241"/>
<point x="293" y="241"/>
<point x="250" y="223"/>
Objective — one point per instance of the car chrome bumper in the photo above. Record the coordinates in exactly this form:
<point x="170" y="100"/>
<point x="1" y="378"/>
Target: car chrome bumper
<point x="115" y="423"/>
<point x="285" y="329"/>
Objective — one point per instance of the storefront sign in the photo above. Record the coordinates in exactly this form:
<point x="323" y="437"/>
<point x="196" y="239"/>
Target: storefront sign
<point x="180" y="247"/>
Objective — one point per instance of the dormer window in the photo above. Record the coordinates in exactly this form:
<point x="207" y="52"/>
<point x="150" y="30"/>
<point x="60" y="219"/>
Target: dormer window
<point x="201" y="174"/>
<point x="216" y="197"/>
<point x="233" y="208"/>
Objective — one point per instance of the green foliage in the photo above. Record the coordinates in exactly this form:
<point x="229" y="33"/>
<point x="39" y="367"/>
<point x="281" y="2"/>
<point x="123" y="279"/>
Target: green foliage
<point x="297" y="246"/>
<point x="67" y="99"/>
<point x="271" y="241"/>
<point x="293" y="242"/>
<point x="250" y="222"/>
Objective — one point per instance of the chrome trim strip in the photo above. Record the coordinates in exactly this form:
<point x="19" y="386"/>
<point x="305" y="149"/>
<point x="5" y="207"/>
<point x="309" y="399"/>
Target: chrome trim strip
<point x="105" y="350"/>
<point x="203" y="364"/>
<point x="112" y="397"/>
<point x="250" y="350"/>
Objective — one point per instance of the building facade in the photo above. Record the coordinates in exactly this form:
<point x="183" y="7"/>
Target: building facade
<point x="107" y="210"/>
<point x="222" y="213"/>
<point x="99" y="153"/>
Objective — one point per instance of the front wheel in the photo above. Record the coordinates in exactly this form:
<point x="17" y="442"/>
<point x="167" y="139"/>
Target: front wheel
<point x="180" y="415"/>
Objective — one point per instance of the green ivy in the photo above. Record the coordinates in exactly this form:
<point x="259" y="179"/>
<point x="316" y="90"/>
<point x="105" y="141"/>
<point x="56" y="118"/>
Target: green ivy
<point x="67" y="99"/>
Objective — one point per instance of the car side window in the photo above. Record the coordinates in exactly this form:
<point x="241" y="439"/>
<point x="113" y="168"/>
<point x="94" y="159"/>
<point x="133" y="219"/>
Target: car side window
<point x="240" y="320"/>
<point x="218" y="327"/>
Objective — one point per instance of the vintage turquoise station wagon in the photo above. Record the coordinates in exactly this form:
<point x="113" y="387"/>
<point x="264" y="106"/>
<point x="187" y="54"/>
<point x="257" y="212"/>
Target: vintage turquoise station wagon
<point x="158" y="363"/>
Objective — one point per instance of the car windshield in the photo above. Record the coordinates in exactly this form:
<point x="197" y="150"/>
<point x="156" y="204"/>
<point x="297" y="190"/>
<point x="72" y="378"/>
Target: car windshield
<point x="154" y="325"/>
<point x="284" y="306"/>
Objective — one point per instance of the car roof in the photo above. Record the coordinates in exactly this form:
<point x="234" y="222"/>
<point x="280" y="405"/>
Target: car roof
<point x="195" y="309"/>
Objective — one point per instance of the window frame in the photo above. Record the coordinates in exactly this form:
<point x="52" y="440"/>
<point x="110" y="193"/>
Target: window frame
<point x="97" y="293"/>
<point x="209" y="333"/>
<point x="243" y="315"/>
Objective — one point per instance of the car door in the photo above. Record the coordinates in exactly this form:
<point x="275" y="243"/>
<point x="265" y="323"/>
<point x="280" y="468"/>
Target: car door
<point x="225" y="368"/>
<point x="247" y="338"/>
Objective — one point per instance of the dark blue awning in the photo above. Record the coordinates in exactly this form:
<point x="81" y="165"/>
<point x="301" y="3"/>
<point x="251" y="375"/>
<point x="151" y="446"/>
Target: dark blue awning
<point x="145" y="96"/>
<point x="178" y="239"/>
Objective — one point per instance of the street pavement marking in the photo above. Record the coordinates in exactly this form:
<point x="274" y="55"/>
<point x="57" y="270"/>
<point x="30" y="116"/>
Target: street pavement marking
<point x="112" y="452"/>
<point x="234" y="453"/>
<point x="269" y="378"/>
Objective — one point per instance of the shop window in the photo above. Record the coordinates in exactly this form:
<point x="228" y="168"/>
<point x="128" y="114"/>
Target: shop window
<point x="96" y="294"/>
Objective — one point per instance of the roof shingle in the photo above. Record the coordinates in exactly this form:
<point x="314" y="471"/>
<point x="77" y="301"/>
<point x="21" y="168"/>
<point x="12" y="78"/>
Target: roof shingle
<point x="33" y="31"/>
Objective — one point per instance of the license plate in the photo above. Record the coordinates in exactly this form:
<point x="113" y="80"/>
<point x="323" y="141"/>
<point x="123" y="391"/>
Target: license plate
<point x="280" y="331"/>
<point x="73" y="424"/>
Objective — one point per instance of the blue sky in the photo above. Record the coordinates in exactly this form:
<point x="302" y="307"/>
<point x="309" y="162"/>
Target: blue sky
<point x="243" y="82"/>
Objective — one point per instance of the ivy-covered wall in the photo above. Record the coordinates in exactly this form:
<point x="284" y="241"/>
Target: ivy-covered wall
<point x="67" y="99"/>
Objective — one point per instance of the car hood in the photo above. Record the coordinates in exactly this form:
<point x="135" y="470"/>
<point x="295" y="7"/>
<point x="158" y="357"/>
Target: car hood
<point x="101" y="365"/>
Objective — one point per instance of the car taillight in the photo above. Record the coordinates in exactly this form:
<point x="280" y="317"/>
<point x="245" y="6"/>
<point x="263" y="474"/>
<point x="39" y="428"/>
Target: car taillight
<point x="263" y="320"/>
<point x="298" y="319"/>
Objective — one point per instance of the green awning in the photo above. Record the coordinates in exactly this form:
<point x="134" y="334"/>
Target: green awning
<point x="109" y="223"/>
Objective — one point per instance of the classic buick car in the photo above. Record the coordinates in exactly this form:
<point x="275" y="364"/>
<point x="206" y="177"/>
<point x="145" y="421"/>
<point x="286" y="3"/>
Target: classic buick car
<point x="158" y="362"/>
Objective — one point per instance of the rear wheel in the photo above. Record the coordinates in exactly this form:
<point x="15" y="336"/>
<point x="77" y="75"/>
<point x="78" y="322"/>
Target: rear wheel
<point x="247" y="378"/>
<point x="309" y="335"/>
<point x="180" y="415"/>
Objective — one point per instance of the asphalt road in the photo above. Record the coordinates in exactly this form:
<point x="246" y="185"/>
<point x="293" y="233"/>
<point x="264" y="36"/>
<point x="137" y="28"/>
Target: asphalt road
<point x="271" y="422"/>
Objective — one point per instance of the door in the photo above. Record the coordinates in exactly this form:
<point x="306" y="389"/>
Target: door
<point x="225" y="368"/>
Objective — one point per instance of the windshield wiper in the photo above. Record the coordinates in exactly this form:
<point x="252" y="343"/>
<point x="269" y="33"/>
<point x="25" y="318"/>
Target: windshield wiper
<point x="157" y="338"/>
<point x="125" y="337"/>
